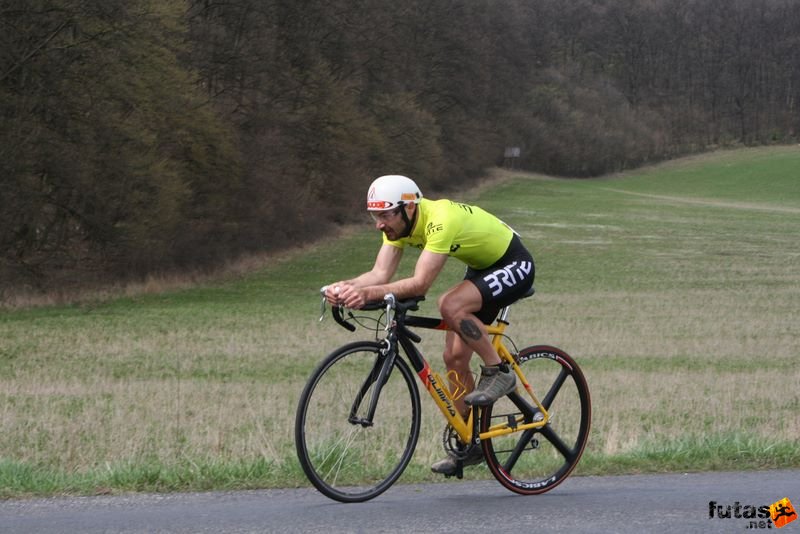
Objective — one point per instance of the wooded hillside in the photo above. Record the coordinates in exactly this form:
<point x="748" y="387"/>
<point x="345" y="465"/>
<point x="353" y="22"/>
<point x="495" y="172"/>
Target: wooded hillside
<point x="140" y="136"/>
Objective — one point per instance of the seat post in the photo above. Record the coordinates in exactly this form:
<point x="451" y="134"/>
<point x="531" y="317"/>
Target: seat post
<point x="503" y="315"/>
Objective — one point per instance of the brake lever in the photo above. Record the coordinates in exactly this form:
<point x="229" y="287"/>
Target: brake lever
<point x="390" y="301"/>
<point x="322" y="306"/>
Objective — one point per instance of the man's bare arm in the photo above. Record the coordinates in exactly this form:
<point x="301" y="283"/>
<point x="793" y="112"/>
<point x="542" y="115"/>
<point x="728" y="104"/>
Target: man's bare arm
<point x="386" y="263"/>
<point x="428" y="267"/>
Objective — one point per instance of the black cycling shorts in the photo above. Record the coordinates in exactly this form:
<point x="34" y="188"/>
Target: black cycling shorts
<point x="504" y="282"/>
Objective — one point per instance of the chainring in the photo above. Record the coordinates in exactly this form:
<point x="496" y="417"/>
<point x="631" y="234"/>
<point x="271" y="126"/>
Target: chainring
<point x="453" y="446"/>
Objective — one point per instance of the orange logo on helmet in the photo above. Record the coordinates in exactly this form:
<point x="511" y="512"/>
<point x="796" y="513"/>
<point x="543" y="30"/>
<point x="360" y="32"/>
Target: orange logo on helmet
<point x="378" y="204"/>
<point x="408" y="196"/>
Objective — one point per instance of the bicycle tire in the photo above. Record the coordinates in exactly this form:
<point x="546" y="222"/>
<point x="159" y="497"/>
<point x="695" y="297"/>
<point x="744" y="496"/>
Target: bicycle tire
<point x="347" y="461"/>
<point x="534" y="461"/>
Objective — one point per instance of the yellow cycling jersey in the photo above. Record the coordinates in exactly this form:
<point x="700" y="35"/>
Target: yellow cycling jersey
<point x="465" y="232"/>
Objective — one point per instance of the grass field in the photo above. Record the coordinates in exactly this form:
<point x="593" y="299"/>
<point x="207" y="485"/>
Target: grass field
<point x="676" y="287"/>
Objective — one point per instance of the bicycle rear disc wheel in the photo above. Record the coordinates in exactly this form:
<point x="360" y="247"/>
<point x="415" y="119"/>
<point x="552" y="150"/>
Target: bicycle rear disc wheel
<point x="346" y="457"/>
<point x="534" y="461"/>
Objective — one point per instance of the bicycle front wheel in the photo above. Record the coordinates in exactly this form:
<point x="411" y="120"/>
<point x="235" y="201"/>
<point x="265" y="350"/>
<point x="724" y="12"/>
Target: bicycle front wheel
<point x="349" y="454"/>
<point x="534" y="461"/>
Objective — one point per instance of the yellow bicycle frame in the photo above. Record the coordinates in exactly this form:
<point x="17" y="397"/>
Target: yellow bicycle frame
<point x="441" y="395"/>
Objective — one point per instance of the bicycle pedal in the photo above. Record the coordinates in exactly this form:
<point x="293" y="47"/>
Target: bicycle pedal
<point x="458" y="473"/>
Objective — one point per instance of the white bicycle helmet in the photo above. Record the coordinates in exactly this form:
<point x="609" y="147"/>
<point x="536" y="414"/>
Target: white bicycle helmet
<point x="391" y="191"/>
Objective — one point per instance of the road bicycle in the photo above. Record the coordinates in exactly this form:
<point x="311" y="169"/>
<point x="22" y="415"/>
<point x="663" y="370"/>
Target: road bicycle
<point x="359" y="415"/>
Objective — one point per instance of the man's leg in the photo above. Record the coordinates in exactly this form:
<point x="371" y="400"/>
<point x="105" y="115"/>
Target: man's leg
<point x="457" y="355"/>
<point x="457" y="307"/>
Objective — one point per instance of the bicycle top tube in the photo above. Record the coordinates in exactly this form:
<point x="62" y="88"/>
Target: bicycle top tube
<point x="396" y="310"/>
<point x="412" y="304"/>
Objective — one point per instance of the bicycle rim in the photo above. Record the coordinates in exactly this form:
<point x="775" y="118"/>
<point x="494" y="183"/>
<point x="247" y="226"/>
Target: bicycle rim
<point x="537" y="460"/>
<point x="345" y="460"/>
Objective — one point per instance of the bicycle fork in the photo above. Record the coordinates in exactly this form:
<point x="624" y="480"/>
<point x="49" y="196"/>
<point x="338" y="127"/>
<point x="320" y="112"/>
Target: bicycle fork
<point x="379" y="375"/>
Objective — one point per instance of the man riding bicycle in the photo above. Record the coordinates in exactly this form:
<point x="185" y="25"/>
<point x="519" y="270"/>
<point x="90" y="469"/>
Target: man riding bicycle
<point x="500" y="270"/>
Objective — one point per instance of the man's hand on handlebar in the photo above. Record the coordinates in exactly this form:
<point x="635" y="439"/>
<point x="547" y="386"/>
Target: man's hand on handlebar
<point x="345" y="294"/>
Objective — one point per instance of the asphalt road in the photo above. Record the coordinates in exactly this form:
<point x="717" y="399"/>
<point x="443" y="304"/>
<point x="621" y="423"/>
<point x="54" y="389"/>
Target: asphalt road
<point x="635" y="504"/>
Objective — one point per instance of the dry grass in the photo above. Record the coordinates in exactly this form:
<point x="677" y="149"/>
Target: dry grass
<point x="77" y="425"/>
<point x="649" y="381"/>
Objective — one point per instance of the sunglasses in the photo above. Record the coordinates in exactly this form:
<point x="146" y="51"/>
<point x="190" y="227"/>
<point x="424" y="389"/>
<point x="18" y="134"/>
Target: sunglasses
<point x="384" y="216"/>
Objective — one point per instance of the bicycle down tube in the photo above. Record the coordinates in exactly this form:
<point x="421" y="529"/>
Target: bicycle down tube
<point x="434" y="383"/>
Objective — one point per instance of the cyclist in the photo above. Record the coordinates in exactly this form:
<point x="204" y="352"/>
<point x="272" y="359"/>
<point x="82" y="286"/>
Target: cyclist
<point x="499" y="271"/>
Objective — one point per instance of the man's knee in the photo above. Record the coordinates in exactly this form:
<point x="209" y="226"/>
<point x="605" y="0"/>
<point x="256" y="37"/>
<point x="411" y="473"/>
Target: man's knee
<point x="454" y="305"/>
<point x="447" y="307"/>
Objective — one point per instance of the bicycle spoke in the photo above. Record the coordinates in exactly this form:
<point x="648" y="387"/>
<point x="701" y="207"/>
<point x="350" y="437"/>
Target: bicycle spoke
<point x="558" y="443"/>
<point x="555" y="388"/>
<point x="337" y="466"/>
<point x="521" y="445"/>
